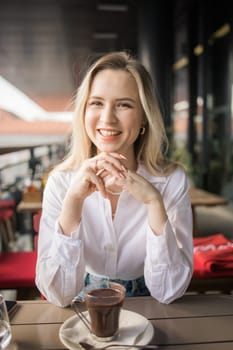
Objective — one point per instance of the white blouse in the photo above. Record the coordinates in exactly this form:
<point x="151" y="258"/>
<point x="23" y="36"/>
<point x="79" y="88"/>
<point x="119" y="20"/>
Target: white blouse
<point x="124" y="247"/>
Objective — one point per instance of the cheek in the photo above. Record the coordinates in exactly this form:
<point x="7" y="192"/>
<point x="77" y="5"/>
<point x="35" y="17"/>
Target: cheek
<point x="134" y="124"/>
<point x="134" y="118"/>
<point x="89" y="122"/>
<point x="134" y="128"/>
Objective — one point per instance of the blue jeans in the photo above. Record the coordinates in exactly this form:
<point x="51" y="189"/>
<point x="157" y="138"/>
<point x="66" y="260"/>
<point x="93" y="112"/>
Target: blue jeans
<point x="133" y="288"/>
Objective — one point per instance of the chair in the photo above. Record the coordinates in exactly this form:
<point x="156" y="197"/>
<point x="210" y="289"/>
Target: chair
<point x="18" y="269"/>
<point x="7" y="221"/>
<point x="36" y="221"/>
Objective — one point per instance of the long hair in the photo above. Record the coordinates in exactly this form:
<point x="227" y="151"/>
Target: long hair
<point x="151" y="147"/>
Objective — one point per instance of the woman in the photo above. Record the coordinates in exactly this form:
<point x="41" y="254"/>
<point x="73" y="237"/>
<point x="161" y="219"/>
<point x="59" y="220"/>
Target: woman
<point x="115" y="207"/>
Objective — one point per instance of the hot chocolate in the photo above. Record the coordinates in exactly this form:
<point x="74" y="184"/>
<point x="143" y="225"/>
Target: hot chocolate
<point x="104" y="305"/>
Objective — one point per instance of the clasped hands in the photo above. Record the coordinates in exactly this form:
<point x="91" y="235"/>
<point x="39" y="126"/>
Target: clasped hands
<point x="107" y="173"/>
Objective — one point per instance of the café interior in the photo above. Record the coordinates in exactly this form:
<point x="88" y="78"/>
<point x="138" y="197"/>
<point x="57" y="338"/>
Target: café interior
<point x="46" y="45"/>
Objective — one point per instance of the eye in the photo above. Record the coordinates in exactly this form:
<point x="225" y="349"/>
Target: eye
<point x="124" y="105"/>
<point x="95" y="103"/>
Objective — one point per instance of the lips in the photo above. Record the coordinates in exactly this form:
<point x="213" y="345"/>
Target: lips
<point x="108" y="132"/>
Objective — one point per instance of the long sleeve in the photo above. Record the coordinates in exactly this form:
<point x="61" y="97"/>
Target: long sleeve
<point x="169" y="258"/>
<point x="60" y="266"/>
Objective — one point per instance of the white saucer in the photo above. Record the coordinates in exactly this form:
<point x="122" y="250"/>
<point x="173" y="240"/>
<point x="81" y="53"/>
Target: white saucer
<point x="134" y="329"/>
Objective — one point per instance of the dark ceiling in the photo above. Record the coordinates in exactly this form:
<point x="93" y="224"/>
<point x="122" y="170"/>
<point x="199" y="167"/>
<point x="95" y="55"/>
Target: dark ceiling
<point x="45" y="44"/>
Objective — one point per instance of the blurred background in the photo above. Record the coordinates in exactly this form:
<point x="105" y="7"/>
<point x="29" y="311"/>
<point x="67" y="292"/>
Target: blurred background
<point x="46" y="45"/>
<point x="45" y="48"/>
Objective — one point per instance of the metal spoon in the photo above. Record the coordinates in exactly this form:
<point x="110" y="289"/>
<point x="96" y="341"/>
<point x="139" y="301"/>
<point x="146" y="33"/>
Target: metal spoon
<point x="88" y="346"/>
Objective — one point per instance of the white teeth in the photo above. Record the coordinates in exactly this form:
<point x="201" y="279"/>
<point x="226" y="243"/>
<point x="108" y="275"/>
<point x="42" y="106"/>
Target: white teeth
<point x="108" y="132"/>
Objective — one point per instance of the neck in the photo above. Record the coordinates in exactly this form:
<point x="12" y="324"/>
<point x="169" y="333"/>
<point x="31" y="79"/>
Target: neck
<point x="132" y="166"/>
<point x="131" y="162"/>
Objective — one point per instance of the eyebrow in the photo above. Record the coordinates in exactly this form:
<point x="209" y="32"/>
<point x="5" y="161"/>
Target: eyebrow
<point x="118" y="99"/>
<point x="126" y="99"/>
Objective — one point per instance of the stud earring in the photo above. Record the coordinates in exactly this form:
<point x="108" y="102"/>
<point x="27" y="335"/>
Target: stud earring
<point x="142" y="130"/>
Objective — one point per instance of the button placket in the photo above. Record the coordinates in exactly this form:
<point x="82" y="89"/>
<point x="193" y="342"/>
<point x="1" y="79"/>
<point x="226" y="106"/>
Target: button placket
<point x="110" y="242"/>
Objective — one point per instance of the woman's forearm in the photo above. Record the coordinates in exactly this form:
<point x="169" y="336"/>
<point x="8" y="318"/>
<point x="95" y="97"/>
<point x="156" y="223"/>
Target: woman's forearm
<point x="70" y="216"/>
<point x="157" y="216"/>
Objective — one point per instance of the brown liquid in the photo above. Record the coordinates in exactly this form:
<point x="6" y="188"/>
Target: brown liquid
<point x="104" y="307"/>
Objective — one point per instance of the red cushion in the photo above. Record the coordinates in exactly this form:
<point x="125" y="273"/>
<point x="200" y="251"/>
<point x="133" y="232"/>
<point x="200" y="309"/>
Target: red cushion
<point x="6" y="214"/>
<point x="17" y="269"/>
<point x="7" y="203"/>
<point x="213" y="256"/>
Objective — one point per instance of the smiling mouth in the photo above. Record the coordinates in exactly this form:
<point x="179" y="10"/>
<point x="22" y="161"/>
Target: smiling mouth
<point x="105" y="132"/>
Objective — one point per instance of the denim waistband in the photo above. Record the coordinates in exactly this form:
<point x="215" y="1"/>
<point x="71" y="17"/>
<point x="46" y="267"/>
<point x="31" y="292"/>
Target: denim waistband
<point x="133" y="288"/>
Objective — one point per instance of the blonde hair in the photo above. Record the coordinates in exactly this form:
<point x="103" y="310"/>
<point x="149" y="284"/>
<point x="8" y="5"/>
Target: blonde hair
<point x="151" y="147"/>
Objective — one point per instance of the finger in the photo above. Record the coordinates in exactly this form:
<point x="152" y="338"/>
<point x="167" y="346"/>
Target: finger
<point x="118" y="155"/>
<point x="114" y="158"/>
<point x="110" y="164"/>
<point x="98" y="184"/>
<point x="90" y="165"/>
<point x="105" y="175"/>
<point x="131" y="175"/>
<point x="100" y="172"/>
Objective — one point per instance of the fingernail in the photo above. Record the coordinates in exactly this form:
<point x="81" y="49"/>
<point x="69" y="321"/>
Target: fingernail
<point x="100" y="172"/>
<point x="123" y="157"/>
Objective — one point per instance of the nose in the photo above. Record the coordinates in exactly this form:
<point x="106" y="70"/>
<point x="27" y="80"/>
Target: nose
<point x="108" y="114"/>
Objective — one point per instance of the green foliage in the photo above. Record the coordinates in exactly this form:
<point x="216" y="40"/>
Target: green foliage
<point x="183" y="157"/>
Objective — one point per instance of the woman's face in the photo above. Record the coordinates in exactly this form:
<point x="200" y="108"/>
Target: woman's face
<point x="114" y="114"/>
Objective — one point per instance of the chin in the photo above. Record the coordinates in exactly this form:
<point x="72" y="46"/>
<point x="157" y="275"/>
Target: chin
<point x="108" y="149"/>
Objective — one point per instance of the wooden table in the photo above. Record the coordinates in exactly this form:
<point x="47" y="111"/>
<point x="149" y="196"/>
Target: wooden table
<point x="194" y="322"/>
<point x="31" y="207"/>
<point x="202" y="197"/>
<point x="199" y="197"/>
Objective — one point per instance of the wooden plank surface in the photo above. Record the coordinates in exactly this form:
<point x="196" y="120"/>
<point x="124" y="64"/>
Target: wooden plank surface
<point x="192" y="322"/>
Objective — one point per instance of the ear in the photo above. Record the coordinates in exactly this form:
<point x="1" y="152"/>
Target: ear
<point x="142" y="130"/>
